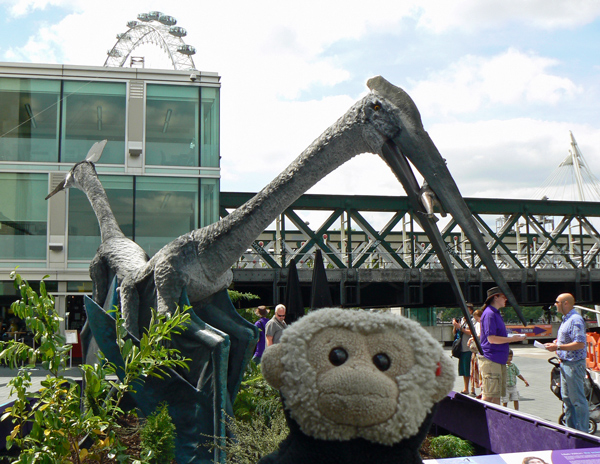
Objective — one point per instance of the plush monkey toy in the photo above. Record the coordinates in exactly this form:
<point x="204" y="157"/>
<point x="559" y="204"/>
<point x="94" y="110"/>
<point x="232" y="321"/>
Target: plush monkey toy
<point x="357" y="387"/>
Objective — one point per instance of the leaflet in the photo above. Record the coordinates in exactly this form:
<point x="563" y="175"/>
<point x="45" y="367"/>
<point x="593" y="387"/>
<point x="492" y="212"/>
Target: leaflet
<point x="539" y="345"/>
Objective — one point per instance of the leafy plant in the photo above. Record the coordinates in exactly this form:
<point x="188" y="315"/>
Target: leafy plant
<point x="158" y="436"/>
<point x="236" y="296"/>
<point x="153" y="355"/>
<point x="55" y="412"/>
<point x="449" y="446"/>
<point x="58" y="422"/>
<point x="256" y="397"/>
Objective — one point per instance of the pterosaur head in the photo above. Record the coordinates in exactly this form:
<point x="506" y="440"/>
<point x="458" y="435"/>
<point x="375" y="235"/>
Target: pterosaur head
<point x="411" y="141"/>
<point x="92" y="157"/>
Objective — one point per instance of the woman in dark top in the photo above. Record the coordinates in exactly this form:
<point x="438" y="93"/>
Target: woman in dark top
<point x="263" y="312"/>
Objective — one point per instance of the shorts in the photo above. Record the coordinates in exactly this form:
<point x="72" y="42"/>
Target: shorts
<point x="512" y="394"/>
<point x="494" y="378"/>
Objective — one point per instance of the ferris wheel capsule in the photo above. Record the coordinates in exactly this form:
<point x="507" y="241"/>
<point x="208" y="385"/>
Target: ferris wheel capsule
<point x="114" y="53"/>
<point x="177" y="31"/>
<point x="132" y="24"/>
<point x="167" y="20"/>
<point x="123" y="36"/>
<point x="186" y="50"/>
<point x="154" y="15"/>
<point x="143" y="17"/>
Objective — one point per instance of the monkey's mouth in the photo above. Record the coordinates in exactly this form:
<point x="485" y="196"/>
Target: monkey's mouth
<point x="360" y="410"/>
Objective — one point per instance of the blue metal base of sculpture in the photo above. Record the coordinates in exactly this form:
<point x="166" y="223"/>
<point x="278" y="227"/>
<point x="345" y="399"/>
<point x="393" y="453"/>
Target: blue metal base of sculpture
<point x="198" y="399"/>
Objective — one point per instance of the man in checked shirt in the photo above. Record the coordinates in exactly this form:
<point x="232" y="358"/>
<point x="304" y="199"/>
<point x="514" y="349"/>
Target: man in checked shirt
<point x="570" y="346"/>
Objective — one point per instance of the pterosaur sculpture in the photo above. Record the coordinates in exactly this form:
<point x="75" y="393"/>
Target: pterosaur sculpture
<point x="198" y="264"/>
<point x="117" y="254"/>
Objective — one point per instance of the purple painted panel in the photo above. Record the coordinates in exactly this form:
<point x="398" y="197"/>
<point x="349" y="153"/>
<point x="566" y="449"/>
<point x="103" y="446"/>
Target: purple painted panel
<point x="500" y="430"/>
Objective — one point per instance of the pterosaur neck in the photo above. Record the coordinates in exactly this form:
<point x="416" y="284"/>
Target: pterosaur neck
<point x="236" y="232"/>
<point x="87" y="181"/>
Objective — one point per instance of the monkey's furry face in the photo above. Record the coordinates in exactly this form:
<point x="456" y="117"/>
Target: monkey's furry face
<point x="346" y="374"/>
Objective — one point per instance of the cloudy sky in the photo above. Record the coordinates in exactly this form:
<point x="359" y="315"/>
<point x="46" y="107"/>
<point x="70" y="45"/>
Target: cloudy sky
<point x="499" y="83"/>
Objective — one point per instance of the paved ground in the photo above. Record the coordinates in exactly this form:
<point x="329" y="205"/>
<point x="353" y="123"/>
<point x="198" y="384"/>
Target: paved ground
<point x="37" y="376"/>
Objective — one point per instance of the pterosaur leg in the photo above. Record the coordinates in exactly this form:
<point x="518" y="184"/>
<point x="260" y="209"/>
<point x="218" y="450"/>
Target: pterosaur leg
<point x="404" y="173"/>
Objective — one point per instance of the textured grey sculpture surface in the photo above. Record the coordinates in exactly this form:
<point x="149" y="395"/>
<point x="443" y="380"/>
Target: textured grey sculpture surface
<point x="386" y="122"/>
<point x="117" y="254"/>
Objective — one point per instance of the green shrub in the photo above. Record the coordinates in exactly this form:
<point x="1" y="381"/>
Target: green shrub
<point x="254" y="439"/>
<point x="59" y="422"/>
<point x="259" y="424"/>
<point x="158" y="436"/>
<point x="256" y="397"/>
<point x="449" y="446"/>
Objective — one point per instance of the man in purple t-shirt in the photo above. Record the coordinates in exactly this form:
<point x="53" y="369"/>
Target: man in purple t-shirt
<point x="494" y="345"/>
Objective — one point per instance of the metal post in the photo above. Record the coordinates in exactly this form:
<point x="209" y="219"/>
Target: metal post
<point x="581" y="242"/>
<point x="349" y="249"/>
<point x="412" y="242"/>
<point x="527" y="234"/>
<point x="282" y="237"/>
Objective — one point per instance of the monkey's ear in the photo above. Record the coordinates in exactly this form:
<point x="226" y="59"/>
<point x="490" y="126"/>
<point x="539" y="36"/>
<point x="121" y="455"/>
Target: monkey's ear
<point x="271" y="365"/>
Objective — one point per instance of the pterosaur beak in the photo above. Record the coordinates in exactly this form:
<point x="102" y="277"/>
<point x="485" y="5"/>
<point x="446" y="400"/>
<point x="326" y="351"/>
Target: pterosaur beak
<point x="59" y="188"/>
<point x="413" y="142"/>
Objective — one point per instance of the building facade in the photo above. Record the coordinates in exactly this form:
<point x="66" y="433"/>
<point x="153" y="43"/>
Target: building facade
<point x="160" y="167"/>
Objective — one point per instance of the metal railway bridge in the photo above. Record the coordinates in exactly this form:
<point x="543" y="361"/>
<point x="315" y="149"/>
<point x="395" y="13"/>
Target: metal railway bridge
<point x="376" y="255"/>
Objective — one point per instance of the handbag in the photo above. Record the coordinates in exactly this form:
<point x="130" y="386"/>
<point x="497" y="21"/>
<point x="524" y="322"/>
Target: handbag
<point x="473" y="346"/>
<point x="457" y="345"/>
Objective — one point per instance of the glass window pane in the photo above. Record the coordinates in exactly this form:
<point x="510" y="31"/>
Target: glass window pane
<point x="210" y="201"/>
<point x="29" y="120"/>
<point x="210" y="127"/>
<point x="172" y="123"/>
<point x="165" y="208"/>
<point x="93" y="111"/>
<point x="84" y="232"/>
<point x="23" y="216"/>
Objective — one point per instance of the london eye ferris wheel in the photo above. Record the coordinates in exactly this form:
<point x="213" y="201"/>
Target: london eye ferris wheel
<point x="153" y="28"/>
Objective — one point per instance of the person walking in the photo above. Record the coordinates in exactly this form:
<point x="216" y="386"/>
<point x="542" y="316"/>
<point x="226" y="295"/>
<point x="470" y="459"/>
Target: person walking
<point x="494" y="345"/>
<point x="276" y="326"/>
<point x="464" y="362"/>
<point x="261" y="324"/>
<point x="475" y="376"/>
<point x="570" y="347"/>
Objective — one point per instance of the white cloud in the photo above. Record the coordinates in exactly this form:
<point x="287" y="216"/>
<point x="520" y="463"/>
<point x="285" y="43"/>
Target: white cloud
<point x="511" y="78"/>
<point x="475" y="15"/>
<point x="512" y="158"/>
<point x="269" y="52"/>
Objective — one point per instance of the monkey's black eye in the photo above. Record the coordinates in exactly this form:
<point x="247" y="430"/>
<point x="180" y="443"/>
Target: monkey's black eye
<point x="338" y="356"/>
<point x="382" y="361"/>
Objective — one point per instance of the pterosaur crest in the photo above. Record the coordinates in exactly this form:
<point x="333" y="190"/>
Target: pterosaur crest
<point x="398" y="97"/>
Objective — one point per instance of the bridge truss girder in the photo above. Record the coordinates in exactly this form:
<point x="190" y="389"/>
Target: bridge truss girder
<point x="532" y="235"/>
<point x="538" y="245"/>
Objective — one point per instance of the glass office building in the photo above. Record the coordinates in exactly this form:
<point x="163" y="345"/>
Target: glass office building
<point x="160" y="167"/>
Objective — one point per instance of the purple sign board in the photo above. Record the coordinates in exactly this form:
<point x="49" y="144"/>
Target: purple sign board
<point x="569" y="456"/>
